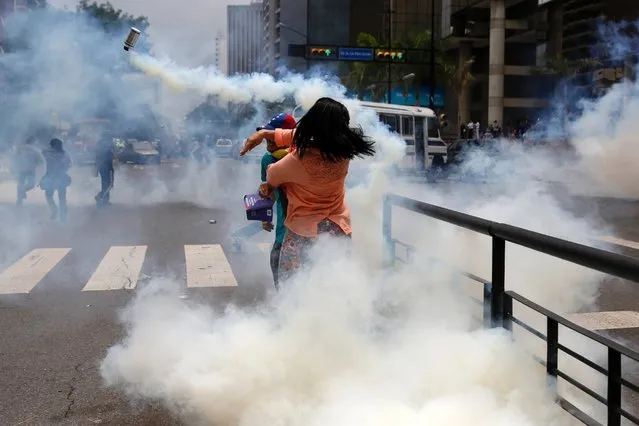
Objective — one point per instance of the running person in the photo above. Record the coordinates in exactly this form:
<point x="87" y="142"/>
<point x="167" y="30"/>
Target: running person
<point x="27" y="159"/>
<point x="56" y="178"/>
<point x="104" y="168"/>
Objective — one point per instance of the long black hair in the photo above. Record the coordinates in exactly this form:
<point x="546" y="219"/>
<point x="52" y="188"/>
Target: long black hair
<point x="326" y="127"/>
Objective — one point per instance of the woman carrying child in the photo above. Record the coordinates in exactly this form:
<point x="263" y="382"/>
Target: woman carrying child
<point x="313" y="176"/>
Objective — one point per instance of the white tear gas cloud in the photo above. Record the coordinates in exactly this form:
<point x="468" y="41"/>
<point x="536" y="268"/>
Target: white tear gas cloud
<point x="348" y="343"/>
<point x="328" y="351"/>
<point x="61" y="68"/>
<point x="602" y="130"/>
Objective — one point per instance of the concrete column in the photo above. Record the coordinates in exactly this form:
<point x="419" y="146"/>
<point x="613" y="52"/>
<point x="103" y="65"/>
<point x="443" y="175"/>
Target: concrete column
<point x="463" y="105"/>
<point x="496" y="61"/>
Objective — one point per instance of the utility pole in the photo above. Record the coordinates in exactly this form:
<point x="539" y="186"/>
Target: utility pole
<point x="432" y="55"/>
<point x="389" y="96"/>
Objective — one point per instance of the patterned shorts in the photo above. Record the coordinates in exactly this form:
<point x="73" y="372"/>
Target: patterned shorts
<point x="294" y="252"/>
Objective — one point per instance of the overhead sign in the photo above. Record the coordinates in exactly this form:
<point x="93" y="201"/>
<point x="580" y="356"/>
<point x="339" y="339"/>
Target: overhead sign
<point x="355" y="54"/>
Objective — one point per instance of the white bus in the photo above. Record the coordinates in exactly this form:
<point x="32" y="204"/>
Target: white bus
<point x="418" y="126"/>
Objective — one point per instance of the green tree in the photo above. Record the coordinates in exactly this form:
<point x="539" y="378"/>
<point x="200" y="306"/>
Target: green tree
<point x="37" y="4"/>
<point x="110" y="18"/>
<point x="457" y="78"/>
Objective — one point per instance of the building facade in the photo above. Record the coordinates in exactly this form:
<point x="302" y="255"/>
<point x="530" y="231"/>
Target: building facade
<point x="511" y="40"/>
<point x="220" y="54"/>
<point x="244" y="38"/>
<point x="6" y="8"/>
<point x="284" y="23"/>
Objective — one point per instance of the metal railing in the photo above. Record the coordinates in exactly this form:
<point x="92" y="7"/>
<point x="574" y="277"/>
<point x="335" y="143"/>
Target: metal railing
<point x="498" y="303"/>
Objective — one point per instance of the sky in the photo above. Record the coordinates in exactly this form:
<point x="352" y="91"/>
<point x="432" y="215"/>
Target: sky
<point x="182" y="29"/>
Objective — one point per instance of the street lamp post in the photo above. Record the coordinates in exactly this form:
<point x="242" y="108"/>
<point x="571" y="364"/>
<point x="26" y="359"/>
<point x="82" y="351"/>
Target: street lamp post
<point x="298" y="33"/>
<point x="432" y="55"/>
<point x="404" y="78"/>
<point x="390" y="46"/>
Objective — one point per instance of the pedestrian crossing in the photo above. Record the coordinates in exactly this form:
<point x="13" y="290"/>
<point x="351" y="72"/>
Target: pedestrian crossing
<point x="121" y="268"/>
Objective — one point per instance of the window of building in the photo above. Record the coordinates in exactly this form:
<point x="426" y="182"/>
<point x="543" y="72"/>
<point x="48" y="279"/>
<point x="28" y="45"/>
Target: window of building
<point x="541" y="54"/>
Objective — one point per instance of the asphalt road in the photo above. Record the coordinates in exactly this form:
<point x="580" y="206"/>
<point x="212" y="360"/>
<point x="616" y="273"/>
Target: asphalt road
<point x="54" y="337"/>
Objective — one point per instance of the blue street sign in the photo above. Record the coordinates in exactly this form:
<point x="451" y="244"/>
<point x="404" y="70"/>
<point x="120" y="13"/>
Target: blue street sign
<point x="355" y="54"/>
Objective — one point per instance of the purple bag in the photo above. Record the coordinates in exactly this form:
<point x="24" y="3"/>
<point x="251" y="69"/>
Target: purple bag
<point x="258" y="208"/>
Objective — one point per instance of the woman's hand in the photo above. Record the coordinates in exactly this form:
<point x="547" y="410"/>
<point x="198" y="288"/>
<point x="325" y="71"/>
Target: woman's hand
<point x="255" y="139"/>
<point x="267" y="191"/>
<point x="252" y="141"/>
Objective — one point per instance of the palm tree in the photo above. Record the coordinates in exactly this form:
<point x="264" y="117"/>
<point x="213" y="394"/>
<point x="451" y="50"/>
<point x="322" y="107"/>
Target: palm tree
<point x="458" y="78"/>
<point x="364" y="77"/>
<point x="419" y="41"/>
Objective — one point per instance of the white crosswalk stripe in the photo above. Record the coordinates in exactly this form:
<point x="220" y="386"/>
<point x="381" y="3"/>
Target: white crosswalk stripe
<point x="121" y="268"/>
<point x="207" y="266"/>
<point x="27" y="272"/>
<point x="264" y="247"/>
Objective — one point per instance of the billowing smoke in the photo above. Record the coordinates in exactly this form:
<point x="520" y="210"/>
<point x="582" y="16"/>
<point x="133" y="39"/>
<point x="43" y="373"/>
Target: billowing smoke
<point x="346" y="343"/>
<point x="601" y="129"/>
<point x="60" y="68"/>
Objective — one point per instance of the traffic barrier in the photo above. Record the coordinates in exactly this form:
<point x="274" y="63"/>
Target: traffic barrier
<point x="498" y="303"/>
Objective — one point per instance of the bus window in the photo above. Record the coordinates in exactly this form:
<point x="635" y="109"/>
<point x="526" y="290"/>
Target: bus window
<point x="420" y="148"/>
<point x="433" y="127"/>
<point x="391" y="120"/>
<point x="407" y="126"/>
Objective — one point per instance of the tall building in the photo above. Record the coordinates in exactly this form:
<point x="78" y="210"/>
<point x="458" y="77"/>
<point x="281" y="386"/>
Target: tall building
<point x="510" y="40"/>
<point x="284" y="23"/>
<point x="245" y="38"/>
<point x="575" y="29"/>
<point x="6" y="8"/>
<point x="401" y="17"/>
<point x="220" y="55"/>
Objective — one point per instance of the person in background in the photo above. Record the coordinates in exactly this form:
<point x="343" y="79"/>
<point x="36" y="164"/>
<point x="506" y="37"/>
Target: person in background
<point x="56" y="177"/>
<point x="313" y="176"/>
<point x="104" y="168"/>
<point x="274" y="154"/>
<point x="27" y="159"/>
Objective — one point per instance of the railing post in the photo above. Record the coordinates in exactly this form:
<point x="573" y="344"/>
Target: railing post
<point x="552" y="353"/>
<point x="388" y="249"/>
<point x="508" y="312"/>
<point x="614" y="387"/>
<point x="488" y="316"/>
<point x="498" y="282"/>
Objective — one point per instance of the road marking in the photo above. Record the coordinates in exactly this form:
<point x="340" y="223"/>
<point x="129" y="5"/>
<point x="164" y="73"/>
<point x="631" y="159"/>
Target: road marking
<point x="119" y="269"/>
<point x="207" y="266"/>
<point x="264" y="248"/>
<point x="27" y="272"/>
<point x="606" y="320"/>
<point x="620" y="242"/>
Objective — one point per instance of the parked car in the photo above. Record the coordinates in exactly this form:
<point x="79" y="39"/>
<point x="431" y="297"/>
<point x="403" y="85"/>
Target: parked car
<point x="223" y="148"/>
<point x="140" y="152"/>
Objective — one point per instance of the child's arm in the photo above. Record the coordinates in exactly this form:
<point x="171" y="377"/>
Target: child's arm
<point x="282" y="138"/>
<point x="267" y="160"/>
